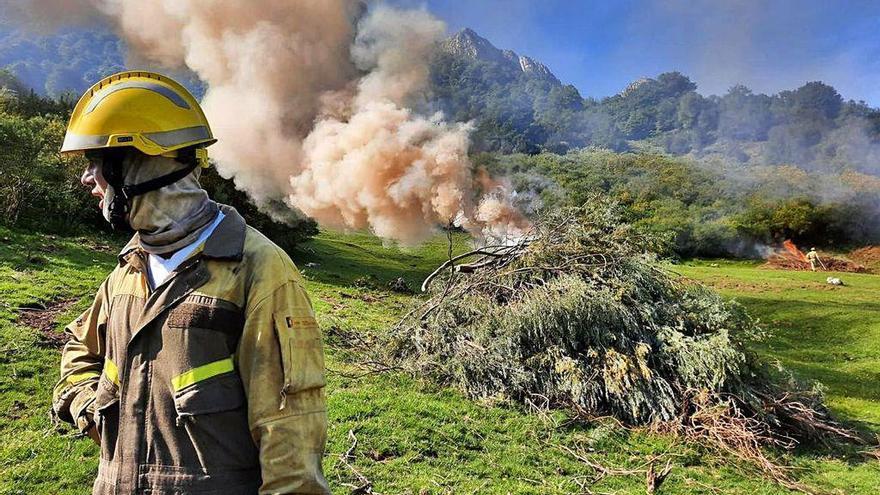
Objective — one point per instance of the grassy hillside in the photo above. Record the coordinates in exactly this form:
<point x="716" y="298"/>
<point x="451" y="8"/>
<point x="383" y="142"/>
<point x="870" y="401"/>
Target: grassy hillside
<point x="414" y="437"/>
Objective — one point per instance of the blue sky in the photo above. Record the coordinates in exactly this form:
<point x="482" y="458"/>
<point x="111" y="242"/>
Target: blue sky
<point x="601" y="46"/>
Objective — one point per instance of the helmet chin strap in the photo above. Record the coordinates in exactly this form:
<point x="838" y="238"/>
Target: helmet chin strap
<point x="120" y="203"/>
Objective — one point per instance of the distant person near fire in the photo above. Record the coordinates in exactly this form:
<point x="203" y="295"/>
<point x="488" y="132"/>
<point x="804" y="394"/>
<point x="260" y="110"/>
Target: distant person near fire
<point x="198" y="368"/>
<point x="813" y="258"/>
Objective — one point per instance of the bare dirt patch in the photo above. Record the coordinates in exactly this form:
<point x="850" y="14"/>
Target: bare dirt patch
<point x="829" y="263"/>
<point x="43" y="317"/>
<point x="868" y="256"/>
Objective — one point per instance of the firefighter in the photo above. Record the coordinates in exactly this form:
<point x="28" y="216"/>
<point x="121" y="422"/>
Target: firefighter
<point x="813" y="258"/>
<point x="198" y="368"/>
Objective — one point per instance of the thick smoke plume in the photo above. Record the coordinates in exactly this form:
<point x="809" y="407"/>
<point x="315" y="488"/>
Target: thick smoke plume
<point x="314" y="105"/>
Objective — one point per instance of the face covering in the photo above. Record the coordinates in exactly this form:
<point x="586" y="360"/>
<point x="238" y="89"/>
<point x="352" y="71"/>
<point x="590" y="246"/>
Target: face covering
<point x="168" y="218"/>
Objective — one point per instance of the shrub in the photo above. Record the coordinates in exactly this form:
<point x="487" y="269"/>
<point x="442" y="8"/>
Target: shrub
<point x="39" y="187"/>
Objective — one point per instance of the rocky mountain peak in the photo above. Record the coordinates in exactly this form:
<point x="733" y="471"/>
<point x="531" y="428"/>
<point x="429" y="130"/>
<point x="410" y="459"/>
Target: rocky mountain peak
<point x="468" y="44"/>
<point x="532" y="66"/>
<point x="635" y="85"/>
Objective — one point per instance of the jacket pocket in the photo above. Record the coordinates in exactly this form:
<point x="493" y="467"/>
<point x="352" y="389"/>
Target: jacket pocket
<point x="210" y="388"/>
<point x="197" y="342"/>
<point x="107" y="416"/>
<point x="302" y="356"/>
<point x="206" y="312"/>
<point x="210" y="405"/>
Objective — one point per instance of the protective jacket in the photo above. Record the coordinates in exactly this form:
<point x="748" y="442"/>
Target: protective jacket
<point x="211" y="383"/>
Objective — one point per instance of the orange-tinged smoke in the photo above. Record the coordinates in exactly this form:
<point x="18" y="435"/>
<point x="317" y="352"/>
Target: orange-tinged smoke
<point x="314" y="103"/>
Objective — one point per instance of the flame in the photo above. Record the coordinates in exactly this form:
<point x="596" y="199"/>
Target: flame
<point x="792" y="251"/>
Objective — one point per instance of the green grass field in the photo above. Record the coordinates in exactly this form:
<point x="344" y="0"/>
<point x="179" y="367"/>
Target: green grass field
<point x="823" y="332"/>
<point x="414" y="437"/>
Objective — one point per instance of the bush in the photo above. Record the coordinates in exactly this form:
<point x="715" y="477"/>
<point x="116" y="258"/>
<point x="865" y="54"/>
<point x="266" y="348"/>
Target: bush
<point x="583" y="317"/>
<point x="39" y="187"/>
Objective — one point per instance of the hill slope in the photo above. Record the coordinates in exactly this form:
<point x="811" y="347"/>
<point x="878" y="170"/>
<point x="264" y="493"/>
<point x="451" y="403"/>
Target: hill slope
<point x="415" y="437"/>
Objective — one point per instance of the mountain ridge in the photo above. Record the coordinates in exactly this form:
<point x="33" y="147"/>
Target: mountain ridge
<point x="468" y="44"/>
<point x="517" y="104"/>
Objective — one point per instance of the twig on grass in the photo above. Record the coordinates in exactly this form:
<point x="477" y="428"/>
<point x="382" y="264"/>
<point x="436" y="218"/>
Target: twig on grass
<point x="581" y="313"/>
<point x="654" y="479"/>
<point x="691" y="481"/>
<point x="372" y="368"/>
<point x="602" y="471"/>
<point x="365" y="486"/>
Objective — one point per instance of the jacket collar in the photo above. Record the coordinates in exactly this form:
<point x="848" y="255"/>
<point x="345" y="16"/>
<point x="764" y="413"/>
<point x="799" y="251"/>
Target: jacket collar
<point x="226" y="242"/>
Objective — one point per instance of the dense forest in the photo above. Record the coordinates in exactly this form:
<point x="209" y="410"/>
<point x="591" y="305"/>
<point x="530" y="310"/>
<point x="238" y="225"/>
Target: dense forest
<point x="705" y="210"/>
<point x="728" y="174"/>
<point x="521" y="111"/>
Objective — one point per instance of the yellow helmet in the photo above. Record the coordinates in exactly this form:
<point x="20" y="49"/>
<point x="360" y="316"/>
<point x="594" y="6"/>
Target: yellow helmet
<point x="144" y="110"/>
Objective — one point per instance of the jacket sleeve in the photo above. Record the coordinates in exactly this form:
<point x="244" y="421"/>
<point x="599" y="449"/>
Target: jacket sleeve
<point x="81" y="364"/>
<point x="281" y="362"/>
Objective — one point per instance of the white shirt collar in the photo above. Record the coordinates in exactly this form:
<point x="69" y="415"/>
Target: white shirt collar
<point x="161" y="268"/>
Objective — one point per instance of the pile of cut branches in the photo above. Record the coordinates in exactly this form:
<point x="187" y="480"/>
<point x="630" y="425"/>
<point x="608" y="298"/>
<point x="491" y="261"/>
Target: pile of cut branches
<point x="580" y="314"/>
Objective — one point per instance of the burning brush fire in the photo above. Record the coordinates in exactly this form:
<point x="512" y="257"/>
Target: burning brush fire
<point x="789" y="257"/>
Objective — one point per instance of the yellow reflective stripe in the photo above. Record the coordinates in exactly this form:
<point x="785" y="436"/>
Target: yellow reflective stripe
<point x="80" y="377"/>
<point x="204" y="372"/>
<point x="111" y="371"/>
